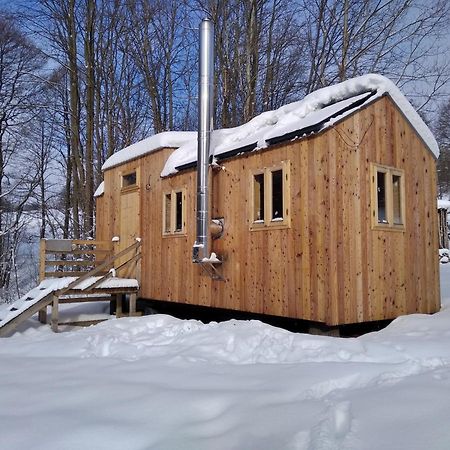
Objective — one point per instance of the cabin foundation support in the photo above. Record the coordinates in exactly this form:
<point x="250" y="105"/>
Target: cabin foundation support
<point x="55" y="314"/>
<point x="42" y="315"/>
<point x="132" y="305"/>
<point x="319" y="330"/>
<point x="119" y="303"/>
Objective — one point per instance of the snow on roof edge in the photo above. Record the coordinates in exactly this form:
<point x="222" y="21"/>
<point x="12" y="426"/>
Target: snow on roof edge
<point x="270" y="123"/>
<point x="382" y="85"/>
<point x="100" y="190"/>
<point x="292" y="116"/>
<point x="166" y="139"/>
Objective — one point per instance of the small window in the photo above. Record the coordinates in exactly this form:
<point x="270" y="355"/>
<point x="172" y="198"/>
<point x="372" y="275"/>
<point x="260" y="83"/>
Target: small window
<point x="174" y="212"/>
<point x="258" y="192"/>
<point x="179" y="211"/>
<point x="277" y="195"/>
<point x="167" y="212"/>
<point x="397" y="199"/>
<point x="388" y="209"/>
<point x="381" y="197"/>
<point x="129" y="180"/>
<point x="270" y="197"/>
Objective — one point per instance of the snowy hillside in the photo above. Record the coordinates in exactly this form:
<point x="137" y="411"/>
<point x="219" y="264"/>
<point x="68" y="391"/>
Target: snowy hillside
<point x="165" y="384"/>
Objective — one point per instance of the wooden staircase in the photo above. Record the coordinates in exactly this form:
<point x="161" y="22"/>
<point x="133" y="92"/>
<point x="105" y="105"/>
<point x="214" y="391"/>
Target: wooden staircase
<point x="80" y="271"/>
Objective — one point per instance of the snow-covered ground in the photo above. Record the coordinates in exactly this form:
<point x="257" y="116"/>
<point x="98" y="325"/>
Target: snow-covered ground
<point x="160" y="383"/>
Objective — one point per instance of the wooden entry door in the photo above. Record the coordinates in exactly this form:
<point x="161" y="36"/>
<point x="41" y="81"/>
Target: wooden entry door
<point x="130" y="229"/>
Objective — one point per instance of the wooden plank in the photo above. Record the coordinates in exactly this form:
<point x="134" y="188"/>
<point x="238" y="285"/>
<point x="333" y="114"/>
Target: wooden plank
<point x="119" y="310"/>
<point x="120" y="290"/>
<point x="42" y="315"/>
<point x="364" y="188"/>
<point x="67" y="245"/>
<point x="132" y="305"/>
<point x="58" y="245"/>
<point x="12" y="324"/>
<point x="79" y="252"/>
<point x="295" y="299"/>
<point x="332" y="238"/>
<point x="65" y="262"/>
<point x="68" y="273"/>
<point x="42" y="248"/>
<point x="83" y="323"/>
<point x="55" y="313"/>
<point x="97" y="243"/>
<point x="126" y="263"/>
<point x="85" y="299"/>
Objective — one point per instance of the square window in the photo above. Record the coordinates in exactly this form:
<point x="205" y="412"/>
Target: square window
<point x="397" y="199"/>
<point x="129" y="180"/>
<point x="167" y="212"/>
<point x="179" y="211"/>
<point x="269" y="191"/>
<point x="258" y="193"/>
<point x="174" y="212"/>
<point x="387" y="197"/>
<point x="381" y="197"/>
<point x="277" y="195"/>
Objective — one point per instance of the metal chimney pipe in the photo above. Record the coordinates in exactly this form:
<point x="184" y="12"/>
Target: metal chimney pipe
<point x="205" y="112"/>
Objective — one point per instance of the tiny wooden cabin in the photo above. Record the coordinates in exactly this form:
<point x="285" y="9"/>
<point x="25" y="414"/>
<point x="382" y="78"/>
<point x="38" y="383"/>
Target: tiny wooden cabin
<point x="328" y="208"/>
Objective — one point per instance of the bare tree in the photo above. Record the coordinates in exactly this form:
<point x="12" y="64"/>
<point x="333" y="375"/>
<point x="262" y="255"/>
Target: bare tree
<point x="442" y="131"/>
<point x="159" y="43"/>
<point x="394" y="37"/>
<point x="122" y="109"/>
<point x="258" y="59"/>
<point x="19" y="62"/>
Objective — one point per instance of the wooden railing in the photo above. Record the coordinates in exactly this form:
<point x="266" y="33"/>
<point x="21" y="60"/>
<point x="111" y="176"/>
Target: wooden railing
<point x="109" y="263"/>
<point x="72" y="257"/>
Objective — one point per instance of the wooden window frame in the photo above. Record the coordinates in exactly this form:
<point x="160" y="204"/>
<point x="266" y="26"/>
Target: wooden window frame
<point x="132" y="187"/>
<point x="173" y="213"/>
<point x="269" y="223"/>
<point x="389" y="172"/>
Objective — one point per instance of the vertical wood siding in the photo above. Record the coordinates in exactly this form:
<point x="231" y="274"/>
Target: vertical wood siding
<point x="329" y="265"/>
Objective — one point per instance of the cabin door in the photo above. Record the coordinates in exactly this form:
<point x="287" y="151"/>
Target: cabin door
<point x="129" y="229"/>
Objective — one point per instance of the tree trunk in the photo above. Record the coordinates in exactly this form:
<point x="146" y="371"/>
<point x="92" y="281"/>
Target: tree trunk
<point x="90" y="119"/>
<point x="75" y="144"/>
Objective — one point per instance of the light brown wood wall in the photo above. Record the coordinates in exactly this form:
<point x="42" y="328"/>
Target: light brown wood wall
<point x="330" y="265"/>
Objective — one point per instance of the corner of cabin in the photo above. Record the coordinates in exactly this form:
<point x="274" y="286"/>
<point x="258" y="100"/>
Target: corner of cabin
<point x="386" y="238"/>
<point x="126" y="186"/>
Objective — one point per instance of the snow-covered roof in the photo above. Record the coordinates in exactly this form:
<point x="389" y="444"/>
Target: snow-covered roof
<point x="167" y="139"/>
<point x="316" y="111"/>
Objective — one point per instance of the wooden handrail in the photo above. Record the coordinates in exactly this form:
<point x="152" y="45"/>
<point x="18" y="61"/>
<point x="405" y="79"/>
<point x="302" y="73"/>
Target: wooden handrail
<point x="101" y="267"/>
<point x="133" y="259"/>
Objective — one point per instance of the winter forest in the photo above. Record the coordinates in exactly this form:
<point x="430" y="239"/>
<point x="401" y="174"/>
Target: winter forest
<point x="81" y="79"/>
